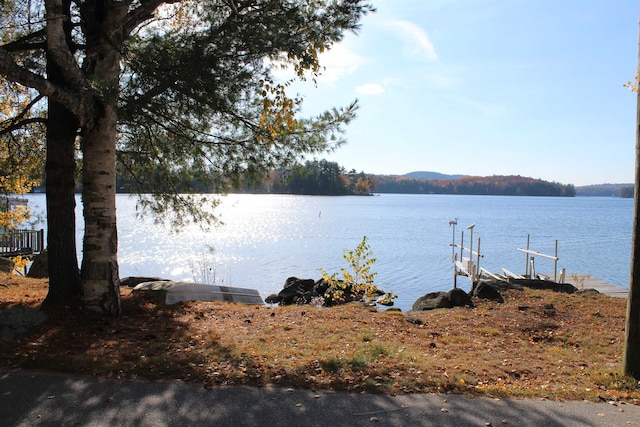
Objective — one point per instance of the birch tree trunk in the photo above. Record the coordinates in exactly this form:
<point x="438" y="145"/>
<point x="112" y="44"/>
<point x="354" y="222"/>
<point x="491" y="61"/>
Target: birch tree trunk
<point x="99" y="271"/>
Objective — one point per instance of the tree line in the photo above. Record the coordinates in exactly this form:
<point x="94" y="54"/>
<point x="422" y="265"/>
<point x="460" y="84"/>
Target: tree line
<point x="512" y="185"/>
<point x="326" y="178"/>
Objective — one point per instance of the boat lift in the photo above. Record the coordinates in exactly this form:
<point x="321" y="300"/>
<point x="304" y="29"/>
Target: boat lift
<point x="530" y="271"/>
<point x="464" y="265"/>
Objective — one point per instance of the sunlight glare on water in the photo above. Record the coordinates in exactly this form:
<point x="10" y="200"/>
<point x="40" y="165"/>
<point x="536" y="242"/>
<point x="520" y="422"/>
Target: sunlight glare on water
<point x="264" y="239"/>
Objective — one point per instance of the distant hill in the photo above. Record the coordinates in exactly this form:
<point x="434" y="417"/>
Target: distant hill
<point x="429" y="175"/>
<point x="605" y="190"/>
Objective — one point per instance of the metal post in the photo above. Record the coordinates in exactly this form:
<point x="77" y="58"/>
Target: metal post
<point x="555" y="263"/>
<point x="455" y="272"/>
<point x="478" y="263"/>
<point x="526" y="262"/>
<point x="472" y="272"/>
<point x="453" y="224"/>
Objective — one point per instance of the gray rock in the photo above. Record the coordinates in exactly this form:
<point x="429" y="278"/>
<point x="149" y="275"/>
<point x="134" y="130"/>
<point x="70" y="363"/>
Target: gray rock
<point x="40" y="267"/>
<point x="454" y="298"/>
<point x="273" y="299"/>
<point x="18" y="320"/>
<point x="6" y="265"/>
<point x="484" y="290"/>
<point x="295" y="289"/>
<point x="459" y="298"/>
<point x="431" y="301"/>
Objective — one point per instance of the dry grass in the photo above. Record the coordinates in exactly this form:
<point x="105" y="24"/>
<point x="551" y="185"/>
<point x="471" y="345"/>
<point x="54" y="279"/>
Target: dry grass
<point x="522" y="348"/>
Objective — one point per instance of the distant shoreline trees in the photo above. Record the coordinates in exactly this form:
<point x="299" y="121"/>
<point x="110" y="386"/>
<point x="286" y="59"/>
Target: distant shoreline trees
<point x="325" y="178"/>
<point x="497" y="185"/>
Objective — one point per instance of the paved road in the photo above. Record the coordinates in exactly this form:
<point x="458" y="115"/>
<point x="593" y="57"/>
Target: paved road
<point x="33" y="398"/>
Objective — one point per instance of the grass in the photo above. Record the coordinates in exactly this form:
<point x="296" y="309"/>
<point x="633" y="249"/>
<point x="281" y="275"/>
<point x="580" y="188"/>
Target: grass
<point x="522" y="348"/>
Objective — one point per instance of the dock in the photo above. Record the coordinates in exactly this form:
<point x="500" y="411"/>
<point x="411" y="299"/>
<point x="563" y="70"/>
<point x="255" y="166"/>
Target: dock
<point x="585" y="281"/>
<point x="469" y="266"/>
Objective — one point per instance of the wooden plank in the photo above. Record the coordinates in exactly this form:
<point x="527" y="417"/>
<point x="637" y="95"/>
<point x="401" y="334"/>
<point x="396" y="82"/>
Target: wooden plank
<point x="586" y="281"/>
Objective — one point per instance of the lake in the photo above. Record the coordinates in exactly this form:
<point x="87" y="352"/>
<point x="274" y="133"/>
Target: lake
<point x="267" y="238"/>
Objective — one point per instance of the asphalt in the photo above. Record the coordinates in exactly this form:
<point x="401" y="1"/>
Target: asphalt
<point x="35" y="398"/>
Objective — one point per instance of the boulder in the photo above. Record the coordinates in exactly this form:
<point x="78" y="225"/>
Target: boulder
<point x="546" y="284"/>
<point x="485" y="290"/>
<point x="588" y="291"/>
<point x="431" y="301"/>
<point x="40" y="267"/>
<point x="321" y="287"/>
<point x="459" y="298"/>
<point x="296" y="291"/>
<point x="273" y="299"/>
<point x="454" y="298"/>
<point x="18" y="320"/>
<point x="6" y="265"/>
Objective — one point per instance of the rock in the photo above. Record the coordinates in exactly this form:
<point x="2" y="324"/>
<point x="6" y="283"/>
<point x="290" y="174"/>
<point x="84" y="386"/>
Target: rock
<point x="18" y="320"/>
<point x="6" y="265"/>
<point x="414" y="320"/>
<point x="40" y="267"/>
<point x="320" y="288"/>
<point x="296" y="291"/>
<point x="588" y="291"/>
<point x="546" y="284"/>
<point x="459" y="298"/>
<point x="272" y="299"/>
<point x="454" y="298"/>
<point x="385" y="300"/>
<point x="431" y="301"/>
<point x="502" y="285"/>
<point x="485" y="290"/>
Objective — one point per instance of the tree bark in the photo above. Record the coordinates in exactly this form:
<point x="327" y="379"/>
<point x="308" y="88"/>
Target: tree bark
<point x="99" y="274"/>
<point x="631" y="359"/>
<point x="62" y="127"/>
<point x="64" y="275"/>
<point x="99" y="271"/>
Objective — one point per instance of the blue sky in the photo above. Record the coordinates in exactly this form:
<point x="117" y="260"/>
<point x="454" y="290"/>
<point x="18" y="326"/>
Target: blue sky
<point x="488" y="87"/>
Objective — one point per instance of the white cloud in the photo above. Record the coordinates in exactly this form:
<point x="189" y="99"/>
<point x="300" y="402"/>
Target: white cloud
<point x="416" y="40"/>
<point x="370" y="89"/>
<point x="338" y="62"/>
<point x="335" y="63"/>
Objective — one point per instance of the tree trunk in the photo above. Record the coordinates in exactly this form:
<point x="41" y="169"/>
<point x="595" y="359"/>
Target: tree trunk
<point x="99" y="272"/>
<point x="62" y="127"/>
<point x="631" y="359"/>
<point x="64" y="275"/>
<point x="100" y="280"/>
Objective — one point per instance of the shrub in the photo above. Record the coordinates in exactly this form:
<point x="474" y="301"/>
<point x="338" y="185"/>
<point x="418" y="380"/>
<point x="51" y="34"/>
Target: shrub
<point x="356" y="283"/>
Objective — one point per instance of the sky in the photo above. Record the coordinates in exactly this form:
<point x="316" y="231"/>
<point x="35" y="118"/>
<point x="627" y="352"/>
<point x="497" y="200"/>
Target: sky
<point x="487" y="87"/>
